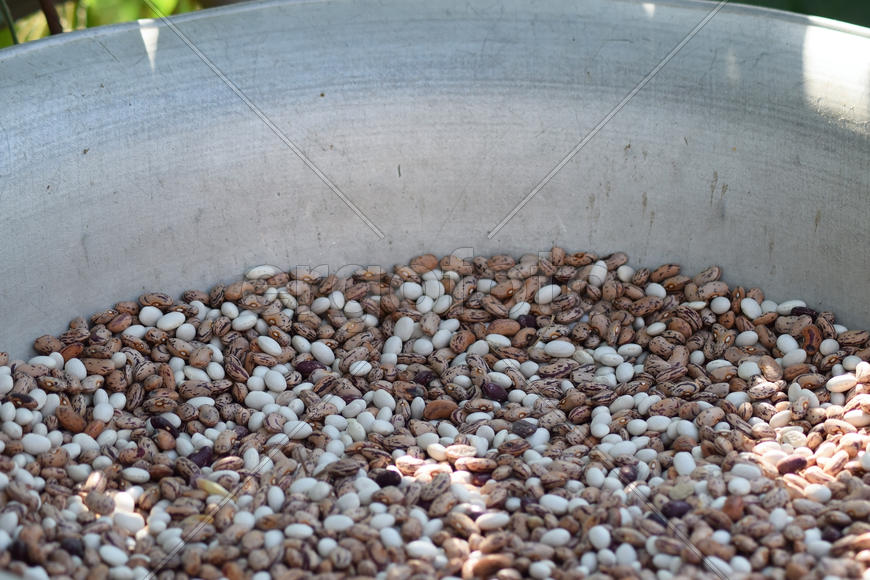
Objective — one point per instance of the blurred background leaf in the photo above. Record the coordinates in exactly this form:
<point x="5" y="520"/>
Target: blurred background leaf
<point x="108" y="11"/>
<point x="30" y="23"/>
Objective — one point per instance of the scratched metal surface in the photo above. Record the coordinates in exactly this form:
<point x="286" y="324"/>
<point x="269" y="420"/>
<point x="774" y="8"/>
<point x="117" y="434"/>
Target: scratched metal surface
<point x="126" y="164"/>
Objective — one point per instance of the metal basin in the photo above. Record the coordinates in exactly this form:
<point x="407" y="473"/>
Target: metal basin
<point x="127" y="163"/>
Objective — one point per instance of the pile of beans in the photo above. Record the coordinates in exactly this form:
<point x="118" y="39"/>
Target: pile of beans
<point x="554" y="416"/>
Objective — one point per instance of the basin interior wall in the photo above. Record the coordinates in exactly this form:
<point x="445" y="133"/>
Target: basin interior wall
<point x="150" y="156"/>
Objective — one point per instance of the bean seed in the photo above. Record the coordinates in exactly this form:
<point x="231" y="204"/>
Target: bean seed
<point x="459" y="417"/>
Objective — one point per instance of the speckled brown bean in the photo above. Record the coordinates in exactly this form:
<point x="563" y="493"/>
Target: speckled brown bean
<point x="99" y="503"/>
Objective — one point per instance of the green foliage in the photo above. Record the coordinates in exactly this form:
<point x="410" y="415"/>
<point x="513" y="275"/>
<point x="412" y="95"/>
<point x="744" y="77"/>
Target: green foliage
<point x="77" y="14"/>
<point x="109" y="11"/>
<point x="6" y="18"/>
<point x="28" y="28"/>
